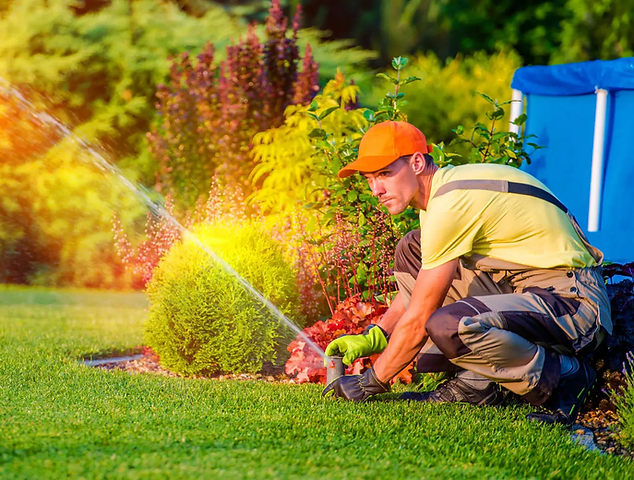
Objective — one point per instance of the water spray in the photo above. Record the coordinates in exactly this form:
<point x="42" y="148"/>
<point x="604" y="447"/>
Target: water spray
<point x="141" y="194"/>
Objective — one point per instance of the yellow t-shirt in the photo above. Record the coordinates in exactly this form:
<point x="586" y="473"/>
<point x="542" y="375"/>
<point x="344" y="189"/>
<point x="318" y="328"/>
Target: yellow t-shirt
<point x="506" y="226"/>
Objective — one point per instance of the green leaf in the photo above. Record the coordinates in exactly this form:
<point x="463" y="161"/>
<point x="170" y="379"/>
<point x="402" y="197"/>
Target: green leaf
<point x="520" y="120"/>
<point x="327" y="112"/>
<point x="313" y="106"/>
<point x="311" y="115"/>
<point x="361" y="272"/>
<point x="352" y="195"/>
<point x="388" y="78"/>
<point x="409" y="80"/>
<point x="368" y="115"/>
<point x="399" y="62"/>
<point x="317" y="133"/>
<point x="498" y="136"/>
<point x="459" y="130"/>
<point x="329" y="215"/>
<point x="486" y="97"/>
<point x="498" y="113"/>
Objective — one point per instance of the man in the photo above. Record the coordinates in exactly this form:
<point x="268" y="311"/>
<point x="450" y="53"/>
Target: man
<point x="500" y="284"/>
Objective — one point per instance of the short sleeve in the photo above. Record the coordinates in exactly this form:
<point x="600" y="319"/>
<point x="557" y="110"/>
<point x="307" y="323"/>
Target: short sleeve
<point x="446" y="235"/>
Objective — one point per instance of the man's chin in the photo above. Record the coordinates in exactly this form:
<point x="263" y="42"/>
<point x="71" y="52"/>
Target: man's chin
<point x="395" y="209"/>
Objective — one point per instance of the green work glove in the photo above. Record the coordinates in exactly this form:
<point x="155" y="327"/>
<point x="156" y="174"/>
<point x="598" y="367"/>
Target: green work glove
<point x="357" y="388"/>
<point x="372" y="340"/>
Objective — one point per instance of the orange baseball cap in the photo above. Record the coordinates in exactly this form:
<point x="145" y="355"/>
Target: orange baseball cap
<point x="384" y="143"/>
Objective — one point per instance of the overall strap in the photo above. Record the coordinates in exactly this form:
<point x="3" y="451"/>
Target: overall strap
<point x="503" y="186"/>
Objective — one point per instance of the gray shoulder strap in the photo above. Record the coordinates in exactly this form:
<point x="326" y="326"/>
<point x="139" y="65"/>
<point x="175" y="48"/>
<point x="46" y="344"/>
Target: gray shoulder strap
<point x="502" y="186"/>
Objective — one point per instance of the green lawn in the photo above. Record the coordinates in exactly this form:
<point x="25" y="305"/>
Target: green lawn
<point x="59" y="419"/>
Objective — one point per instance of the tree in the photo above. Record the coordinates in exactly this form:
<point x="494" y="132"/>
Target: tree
<point x="97" y="72"/>
<point x="596" y="30"/>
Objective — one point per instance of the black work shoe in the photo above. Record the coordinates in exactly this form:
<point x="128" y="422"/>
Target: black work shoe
<point x="567" y="399"/>
<point x="457" y="391"/>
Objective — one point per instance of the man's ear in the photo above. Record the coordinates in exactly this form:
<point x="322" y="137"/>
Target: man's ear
<point x="418" y="163"/>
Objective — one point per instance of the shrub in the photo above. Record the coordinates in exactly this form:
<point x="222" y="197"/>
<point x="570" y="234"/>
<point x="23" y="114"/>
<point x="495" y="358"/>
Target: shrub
<point x="203" y="321"/>
<point x="210" y="113"/>
<point x="446" y="95"/>
<point x="625" y="404"/>
<point x="161" y="231"/>
<point x="289" y="228"/>
<point x="55" y="217"/>
<point x="98" y="70"/>
<point x="286" y="167"/>
<point x="352" y="238"/>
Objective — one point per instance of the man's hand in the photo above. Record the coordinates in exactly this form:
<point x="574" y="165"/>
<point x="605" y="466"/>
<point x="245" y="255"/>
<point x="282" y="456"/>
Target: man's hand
<point x="357" y="388"/>
<point x="371" y="341"/>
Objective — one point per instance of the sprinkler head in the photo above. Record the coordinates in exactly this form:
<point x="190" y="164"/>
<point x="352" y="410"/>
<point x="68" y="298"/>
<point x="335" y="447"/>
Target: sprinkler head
<point x="334" y="368"/>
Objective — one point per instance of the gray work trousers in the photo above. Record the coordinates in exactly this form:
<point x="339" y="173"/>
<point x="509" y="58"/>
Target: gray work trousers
<point x="509" y="322"/>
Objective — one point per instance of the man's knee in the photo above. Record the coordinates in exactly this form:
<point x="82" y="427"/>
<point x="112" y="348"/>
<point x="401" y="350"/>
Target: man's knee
<point x="442" y="327"/>
<point x="407" y="256"/>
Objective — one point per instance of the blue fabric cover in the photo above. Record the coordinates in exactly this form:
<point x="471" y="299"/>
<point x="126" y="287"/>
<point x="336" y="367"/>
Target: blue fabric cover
<point x="576" y="78"/>
<point x="565" y="126"/>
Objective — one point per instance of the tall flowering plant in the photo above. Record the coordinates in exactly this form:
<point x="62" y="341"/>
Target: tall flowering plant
<point x="209" y="114"/>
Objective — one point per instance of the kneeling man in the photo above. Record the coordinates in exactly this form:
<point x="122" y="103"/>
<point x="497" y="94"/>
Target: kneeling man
<point x="500" y="285"/>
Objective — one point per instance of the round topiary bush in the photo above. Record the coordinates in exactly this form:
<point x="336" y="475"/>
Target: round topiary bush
<point x="202" y="321"/>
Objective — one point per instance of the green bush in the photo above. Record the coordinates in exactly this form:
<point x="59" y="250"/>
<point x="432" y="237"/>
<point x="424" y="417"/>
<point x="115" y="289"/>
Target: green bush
<point x="203" y="321"/>
<point x="56" y="221"/>
<point x="98" y="71"/>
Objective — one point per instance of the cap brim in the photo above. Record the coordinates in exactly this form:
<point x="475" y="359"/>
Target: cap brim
<point x="370" y="164"/>
<point x="366" y="164"/>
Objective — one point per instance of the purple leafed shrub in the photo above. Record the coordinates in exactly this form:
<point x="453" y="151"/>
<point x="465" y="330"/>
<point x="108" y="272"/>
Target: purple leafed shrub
<point x="209" y="114"/>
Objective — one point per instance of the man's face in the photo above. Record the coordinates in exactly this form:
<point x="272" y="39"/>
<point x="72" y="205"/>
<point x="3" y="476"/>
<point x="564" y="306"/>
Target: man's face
<point x="394" y="185"/>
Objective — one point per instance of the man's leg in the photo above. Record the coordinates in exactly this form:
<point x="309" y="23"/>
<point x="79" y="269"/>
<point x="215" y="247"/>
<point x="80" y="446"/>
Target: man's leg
<point x="407" y="264"/>
<point x="514" y="340"/>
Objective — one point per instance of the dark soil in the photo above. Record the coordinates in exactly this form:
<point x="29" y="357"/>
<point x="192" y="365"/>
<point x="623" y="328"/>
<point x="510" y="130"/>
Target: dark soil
<point x="150" y="363"/>
<point x="599" y="414"/>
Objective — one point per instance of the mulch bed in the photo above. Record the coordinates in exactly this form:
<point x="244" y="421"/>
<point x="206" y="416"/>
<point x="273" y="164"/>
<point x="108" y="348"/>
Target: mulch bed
<point x="599" y="414"/>
<point x="149" y="363"/>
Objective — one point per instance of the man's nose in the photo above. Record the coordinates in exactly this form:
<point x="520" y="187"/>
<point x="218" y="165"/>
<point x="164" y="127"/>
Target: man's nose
<point x="376" y="187"/>
<point x="372" y="185"/>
